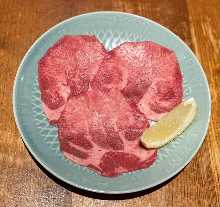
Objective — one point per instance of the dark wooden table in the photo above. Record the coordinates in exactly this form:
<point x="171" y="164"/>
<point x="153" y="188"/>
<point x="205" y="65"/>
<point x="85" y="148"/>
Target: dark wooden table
<point x="23" y="183"/>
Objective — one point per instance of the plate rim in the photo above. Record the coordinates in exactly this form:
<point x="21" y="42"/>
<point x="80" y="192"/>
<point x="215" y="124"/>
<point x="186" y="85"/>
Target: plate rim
<point x="50" y="170"/>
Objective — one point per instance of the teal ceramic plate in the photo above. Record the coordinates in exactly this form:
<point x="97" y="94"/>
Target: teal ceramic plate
<point x="112" y="28"/>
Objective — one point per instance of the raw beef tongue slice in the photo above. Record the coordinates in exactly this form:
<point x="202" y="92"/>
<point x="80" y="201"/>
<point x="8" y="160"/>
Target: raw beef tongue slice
<point x="66" y="69"/>
<point x="111" y="74"/>
<point x="147" y="74"/>
<point x="162" y="96"/>
<point x="93" y="132"/>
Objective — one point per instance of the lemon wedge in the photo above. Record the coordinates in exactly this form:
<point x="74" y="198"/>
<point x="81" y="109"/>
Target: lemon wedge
<point x="170" y="125"/>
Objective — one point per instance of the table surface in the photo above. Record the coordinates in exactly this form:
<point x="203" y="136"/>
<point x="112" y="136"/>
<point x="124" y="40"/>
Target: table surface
<point x="24" y="183"/>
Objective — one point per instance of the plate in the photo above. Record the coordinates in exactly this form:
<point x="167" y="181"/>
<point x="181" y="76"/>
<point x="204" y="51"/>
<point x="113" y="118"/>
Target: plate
<point x="112" y="28"/>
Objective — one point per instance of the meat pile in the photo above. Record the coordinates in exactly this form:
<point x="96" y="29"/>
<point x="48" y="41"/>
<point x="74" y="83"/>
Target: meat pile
<point x="101" y="100"/>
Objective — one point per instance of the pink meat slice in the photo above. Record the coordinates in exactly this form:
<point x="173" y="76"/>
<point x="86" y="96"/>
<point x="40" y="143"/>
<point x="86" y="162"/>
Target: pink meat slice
<point x="66" y="70"/>
<point x="94" y="131"/>
<point x="112" y="73"/>
<point x="101" y="101"/>
<point x="146" y="73"/>
<point x="162" y="96"/>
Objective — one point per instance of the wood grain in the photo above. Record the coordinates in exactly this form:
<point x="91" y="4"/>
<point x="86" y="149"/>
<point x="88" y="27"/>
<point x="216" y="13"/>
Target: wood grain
<point x="23" y="183"/>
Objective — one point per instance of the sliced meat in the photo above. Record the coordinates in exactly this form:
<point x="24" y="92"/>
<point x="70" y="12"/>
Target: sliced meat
<point x="136" y="68"/>
<point x="162" y="96"/>
<point x="111" y="74"/>
<point x="154" y="80"/>
<point x="66" y="70"/>
<point x="101" y="101"/>
<point x="95" y="125"/>
<point x="114" y="163"/>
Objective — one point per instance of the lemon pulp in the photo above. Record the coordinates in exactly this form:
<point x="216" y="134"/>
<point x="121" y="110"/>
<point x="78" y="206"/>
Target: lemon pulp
<point x="170" y="126"/>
